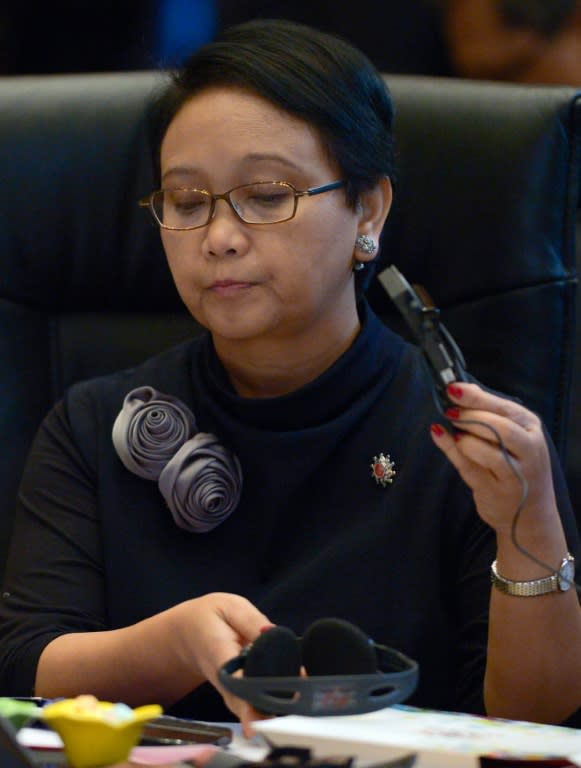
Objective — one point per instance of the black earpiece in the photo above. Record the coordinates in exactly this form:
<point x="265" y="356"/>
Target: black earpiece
<point x="347" y="673"/>
<point x="337" y="647"/>
<point x="275" y="652"/>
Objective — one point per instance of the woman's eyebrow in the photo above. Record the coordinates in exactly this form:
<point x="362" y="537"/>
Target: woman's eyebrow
<point x="180" y="170"/>
<point x="272" y="157"/>
<point x="252" y="157"/>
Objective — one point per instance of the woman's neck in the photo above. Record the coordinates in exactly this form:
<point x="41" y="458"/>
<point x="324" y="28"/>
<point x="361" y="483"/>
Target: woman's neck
<point x="272" y="367"/>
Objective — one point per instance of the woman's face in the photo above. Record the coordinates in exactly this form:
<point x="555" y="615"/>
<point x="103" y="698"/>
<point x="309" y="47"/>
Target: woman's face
<point x="248" y="281"/>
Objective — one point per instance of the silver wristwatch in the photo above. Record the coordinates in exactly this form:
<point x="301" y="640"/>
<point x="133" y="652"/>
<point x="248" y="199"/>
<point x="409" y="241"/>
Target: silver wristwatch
<point x="560" y="581"/>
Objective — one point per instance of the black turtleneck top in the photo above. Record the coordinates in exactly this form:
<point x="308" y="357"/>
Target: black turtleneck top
<point x="314" y="535"/>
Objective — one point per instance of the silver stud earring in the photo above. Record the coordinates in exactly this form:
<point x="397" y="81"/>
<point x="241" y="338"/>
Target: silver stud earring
<point x="365" y="244"/>
<point x="358" y="266"/>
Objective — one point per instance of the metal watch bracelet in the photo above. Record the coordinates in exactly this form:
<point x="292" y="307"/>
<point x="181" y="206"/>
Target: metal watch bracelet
<point x="560" y="581"/>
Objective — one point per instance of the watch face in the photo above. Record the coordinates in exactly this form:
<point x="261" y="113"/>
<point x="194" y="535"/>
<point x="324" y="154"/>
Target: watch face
<point x="566" y="575"/>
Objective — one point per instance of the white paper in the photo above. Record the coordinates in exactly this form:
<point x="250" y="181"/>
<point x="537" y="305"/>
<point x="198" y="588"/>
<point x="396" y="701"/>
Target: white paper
<point x="439" y="738"/>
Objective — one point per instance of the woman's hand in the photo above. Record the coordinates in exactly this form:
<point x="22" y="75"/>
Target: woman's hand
<point x="214" y="629"/>
<point x="530" y="672"/>
<point x="159" y="659"/>
<point x="483" y="420"/>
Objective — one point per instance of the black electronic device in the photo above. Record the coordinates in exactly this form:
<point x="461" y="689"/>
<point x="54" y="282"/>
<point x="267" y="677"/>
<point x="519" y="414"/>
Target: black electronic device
<point x="346" y="673"/>
<point x="14" y="755"/>
<point x="441" y="353"/>
<point x="168" y="730"/>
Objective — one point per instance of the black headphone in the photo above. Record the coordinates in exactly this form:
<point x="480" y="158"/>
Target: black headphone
<point x="347" y="672"/>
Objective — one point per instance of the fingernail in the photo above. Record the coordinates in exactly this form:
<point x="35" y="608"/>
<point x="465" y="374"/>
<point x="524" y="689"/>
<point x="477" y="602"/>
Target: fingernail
<point x="266" y="628"/>
<point x="452" y="413"/>
<point x="454" y="390"/>
<point x="437" y="430"/>
<point x="457" y="436"/>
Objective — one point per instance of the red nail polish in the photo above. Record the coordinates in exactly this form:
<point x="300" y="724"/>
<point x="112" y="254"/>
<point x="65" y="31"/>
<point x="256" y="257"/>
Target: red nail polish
<point x="437" y="430"/>
<point x="455" y="391"/>
<point x="265" y="629"/>
<point x="452" y="413"/>
<point x="457" y="436"/>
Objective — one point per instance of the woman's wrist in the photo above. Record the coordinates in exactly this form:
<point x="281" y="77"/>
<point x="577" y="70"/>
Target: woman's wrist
<point x="559" y="579"/>
<point x="534" y="549"/>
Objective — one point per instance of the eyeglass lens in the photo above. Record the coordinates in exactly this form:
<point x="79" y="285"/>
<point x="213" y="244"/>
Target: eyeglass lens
<point x="261" y="203"/>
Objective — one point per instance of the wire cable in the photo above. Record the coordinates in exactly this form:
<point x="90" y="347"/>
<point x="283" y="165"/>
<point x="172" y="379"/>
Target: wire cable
<point x="523" y="499"/>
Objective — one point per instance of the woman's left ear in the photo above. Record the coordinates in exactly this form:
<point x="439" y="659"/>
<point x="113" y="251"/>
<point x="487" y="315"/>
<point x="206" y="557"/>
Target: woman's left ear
<point x="373" y="208"/>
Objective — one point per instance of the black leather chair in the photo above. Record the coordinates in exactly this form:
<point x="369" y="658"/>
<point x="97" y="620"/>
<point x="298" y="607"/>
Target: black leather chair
<point x="484" y="219"/>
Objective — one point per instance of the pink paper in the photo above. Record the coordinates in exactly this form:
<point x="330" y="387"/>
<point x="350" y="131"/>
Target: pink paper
<point x="201" y="753"/>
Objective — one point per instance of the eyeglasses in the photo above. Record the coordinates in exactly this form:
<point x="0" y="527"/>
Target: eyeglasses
<point x="264" y="202"/>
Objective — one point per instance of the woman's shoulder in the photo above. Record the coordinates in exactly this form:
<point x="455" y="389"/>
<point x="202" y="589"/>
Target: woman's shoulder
<point x="168" y="371"/>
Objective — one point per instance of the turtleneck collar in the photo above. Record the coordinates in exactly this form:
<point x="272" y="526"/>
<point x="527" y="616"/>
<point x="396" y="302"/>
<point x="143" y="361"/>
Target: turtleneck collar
<point x="374" y="353"/>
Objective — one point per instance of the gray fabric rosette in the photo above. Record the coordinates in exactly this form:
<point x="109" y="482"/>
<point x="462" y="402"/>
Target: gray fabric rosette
<point x="200" y="480"/>
<point x="201" y="484"/>
<point x="149" y="429"/>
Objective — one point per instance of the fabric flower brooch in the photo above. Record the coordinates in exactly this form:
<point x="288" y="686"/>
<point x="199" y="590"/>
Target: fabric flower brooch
<point x="156" y="437"/>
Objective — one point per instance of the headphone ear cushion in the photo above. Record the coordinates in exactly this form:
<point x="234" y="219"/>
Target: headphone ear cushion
<point x="337" y="647"/>
<point x="274" y="653"/>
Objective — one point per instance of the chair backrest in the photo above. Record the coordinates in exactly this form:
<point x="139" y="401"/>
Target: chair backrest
<point x="484" y="219"/>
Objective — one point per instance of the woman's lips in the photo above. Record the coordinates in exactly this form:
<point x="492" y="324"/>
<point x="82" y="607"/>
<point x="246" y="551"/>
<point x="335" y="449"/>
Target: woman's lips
<point x="230" y="287"/>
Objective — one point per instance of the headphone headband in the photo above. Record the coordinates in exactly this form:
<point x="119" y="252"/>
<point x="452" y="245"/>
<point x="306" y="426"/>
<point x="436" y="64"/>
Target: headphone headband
<point x="319" y="695"/>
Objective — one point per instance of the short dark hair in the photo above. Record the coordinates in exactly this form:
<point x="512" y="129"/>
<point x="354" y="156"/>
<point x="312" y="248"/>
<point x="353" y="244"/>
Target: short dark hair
<point x="547" y="17"/>
<point x="315" y="76"/>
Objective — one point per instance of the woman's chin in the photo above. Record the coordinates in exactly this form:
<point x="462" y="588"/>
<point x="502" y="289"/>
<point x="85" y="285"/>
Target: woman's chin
<point x="237" y="327"/>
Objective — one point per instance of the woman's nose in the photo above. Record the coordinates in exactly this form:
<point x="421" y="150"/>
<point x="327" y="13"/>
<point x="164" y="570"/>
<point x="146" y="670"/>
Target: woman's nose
<point x="224" y="205"/>
<point x="225" y="230"/>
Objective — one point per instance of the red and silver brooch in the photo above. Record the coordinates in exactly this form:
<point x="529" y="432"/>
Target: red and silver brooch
<point x="382" y="470"/>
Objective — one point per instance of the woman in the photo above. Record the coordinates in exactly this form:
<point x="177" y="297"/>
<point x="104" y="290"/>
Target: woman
<point x="282" y="468"/>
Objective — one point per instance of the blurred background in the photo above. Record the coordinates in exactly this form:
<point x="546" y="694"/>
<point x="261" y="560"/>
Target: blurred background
<point x="82" y="36"/>
<point x="514" y="40"/>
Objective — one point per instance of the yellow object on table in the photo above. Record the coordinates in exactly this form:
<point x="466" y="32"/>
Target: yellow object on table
<point x="97" y="733"/>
